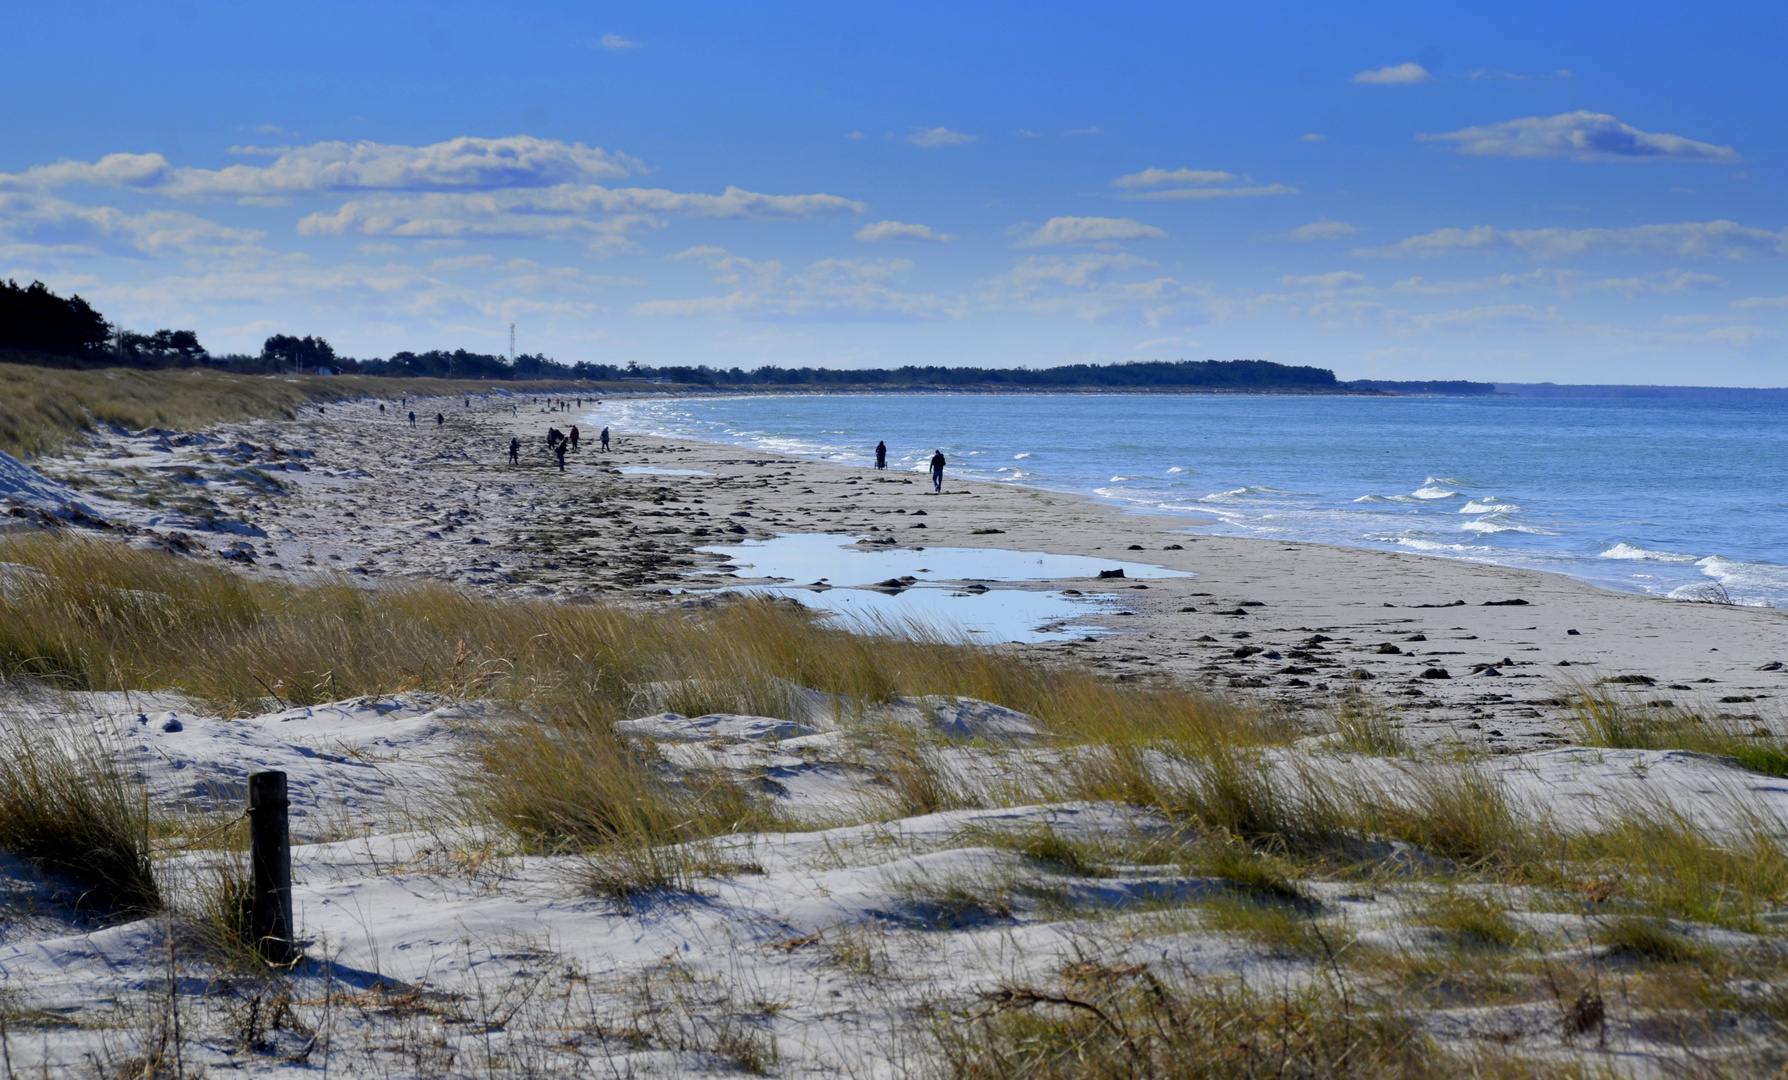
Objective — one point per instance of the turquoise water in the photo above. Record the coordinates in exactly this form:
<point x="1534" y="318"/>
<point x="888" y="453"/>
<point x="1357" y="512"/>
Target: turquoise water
<point x="1670" y="497"/>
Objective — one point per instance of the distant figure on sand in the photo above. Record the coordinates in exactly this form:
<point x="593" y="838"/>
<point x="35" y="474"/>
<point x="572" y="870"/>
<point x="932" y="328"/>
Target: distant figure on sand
<point x="381" y="409"/>
<point x="412" y="419"/>
<point x="881" y="455"/>
<point x="605" y="440"/>
<point x="573" y="436"/>
<point x="514" y="451"/>
<point x="559" y="451"/>
<point x="937" y="471"/>
<point x="553" y="435"/>
<point x="440" y="420"/>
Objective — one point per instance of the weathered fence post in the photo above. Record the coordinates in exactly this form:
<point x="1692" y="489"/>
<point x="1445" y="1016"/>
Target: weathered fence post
<point x="270" y="867"/>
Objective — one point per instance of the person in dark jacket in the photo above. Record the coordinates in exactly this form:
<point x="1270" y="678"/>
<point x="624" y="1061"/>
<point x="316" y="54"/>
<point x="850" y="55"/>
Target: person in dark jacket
<point x="937" y="471"/>
<point x="514" y="451"/>
<point x="881" y="455"/>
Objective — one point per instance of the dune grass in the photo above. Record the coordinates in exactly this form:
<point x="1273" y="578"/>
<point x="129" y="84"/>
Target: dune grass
<point x="1109" y="1021"/>
<point x="101" y="616"/>
<point x="1616" y="721"/>
<point x="65" y="806"/>
<point x="42" y="409"/>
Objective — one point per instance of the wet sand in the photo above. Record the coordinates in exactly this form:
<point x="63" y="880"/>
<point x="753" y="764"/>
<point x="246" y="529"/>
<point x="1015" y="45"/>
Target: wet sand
<point x="349" y="489"/>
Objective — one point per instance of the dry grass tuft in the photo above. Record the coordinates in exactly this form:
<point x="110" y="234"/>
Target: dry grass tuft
<point x="65" y="806"/>
<point x="1104" y="1021"/>
<point x="1606" y="719"/>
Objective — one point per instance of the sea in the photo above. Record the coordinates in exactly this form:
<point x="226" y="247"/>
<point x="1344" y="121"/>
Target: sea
<point x="1686" y="498"/>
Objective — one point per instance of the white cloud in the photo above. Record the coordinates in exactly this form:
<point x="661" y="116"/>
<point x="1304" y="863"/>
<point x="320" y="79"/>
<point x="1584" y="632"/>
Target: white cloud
<point x="1311" y="136"/>
<point x="1158" y="177"/>
<point x="616" y="41"/>
<point x="1338" y="279"/>
<point x="1074" y="132"/>
<point x="1315" y="231"/>
<point x="570" y="210"/>
<point x="462" y="163"/>
<point x="1246" y="192"/>
<point x="30" y="222"/>
<point x="828" y="288"/>
<point x="1585" y="136"/>
<point x="1192" y="184"/>
<point x="939" y="136"/>
<point x="1090" y="230"/>
<point x="1395" y="75"/>
<point x="132" y="170"/>
<point x="1687" y="240"/>
<point x="900" y="230"/>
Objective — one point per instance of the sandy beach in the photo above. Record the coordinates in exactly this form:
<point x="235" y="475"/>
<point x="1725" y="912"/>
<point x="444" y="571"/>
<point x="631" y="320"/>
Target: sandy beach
<point x="351" y="489"/>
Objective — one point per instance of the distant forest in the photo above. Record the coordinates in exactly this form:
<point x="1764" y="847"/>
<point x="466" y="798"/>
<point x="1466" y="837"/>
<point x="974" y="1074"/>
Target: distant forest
<point x="39" y="327"/>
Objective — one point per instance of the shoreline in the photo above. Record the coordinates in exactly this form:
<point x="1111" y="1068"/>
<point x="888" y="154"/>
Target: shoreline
<point x="1716" y="569"/>
<point x="1302" y="625"/>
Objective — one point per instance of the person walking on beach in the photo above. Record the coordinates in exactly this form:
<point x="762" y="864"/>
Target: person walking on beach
<point x="559" y="452"/>
<point x="514" y="451"/>
<point x="605" y="440"/>
<point x="937" y="471"/>
<point x="573" y="436"/>
<point x="440" y="420"/>
<point x="881" y="455"/>
<point x="412" y="418"/>
<point x="381" y="408"/>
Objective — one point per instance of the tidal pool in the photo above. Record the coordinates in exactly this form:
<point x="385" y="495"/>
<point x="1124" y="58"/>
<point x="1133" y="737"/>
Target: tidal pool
<point x="976" y="592"/>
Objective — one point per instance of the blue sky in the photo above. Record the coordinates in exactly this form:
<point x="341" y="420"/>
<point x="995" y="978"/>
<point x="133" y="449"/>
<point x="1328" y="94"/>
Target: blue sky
<point x="1529" y="192"/>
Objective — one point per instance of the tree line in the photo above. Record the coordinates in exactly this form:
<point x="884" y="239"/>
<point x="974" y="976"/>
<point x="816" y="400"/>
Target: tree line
<point x="37" y="326"/>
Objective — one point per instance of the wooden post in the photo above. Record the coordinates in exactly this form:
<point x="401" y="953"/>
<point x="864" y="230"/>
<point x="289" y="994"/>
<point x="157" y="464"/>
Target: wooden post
<point x="270" y="866"/>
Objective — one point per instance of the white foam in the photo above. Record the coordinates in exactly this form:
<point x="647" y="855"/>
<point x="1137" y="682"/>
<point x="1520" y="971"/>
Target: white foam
<point x="1624" y="550"/>
<point x="1491" y="525"/>
<point x="1490" y="505"/>
<point x="1434" y="492"/>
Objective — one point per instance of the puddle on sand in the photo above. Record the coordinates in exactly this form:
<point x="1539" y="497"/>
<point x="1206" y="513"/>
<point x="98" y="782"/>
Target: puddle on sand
<point x="648" y="470"/>
<point x="936" y="598"/>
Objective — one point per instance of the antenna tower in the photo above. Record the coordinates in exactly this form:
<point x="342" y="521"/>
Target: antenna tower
<point x="512" y="343"/>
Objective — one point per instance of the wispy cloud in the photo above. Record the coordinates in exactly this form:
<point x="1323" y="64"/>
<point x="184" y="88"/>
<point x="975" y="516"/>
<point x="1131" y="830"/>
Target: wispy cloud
<point x="1089" y="230"/>
<point x="1155" y="184"/>
<point x="1311" y="136"/>
<point x="599" y="214"/>
<point x="1158" y="177"/>
<point x="1338" y="279"/>
<point x="1090" y="287"/>
<point x="616" y="42"/>
<point x="1752" y="303"/>
<point x="325" y="167"/>
<point x="1315" y="231"/>
<point x="830" y="288"/>
<point x="1686" y="240"/>
<point x="900" y="230"/>
<point x="1395" y="75"/>
<point x="939" y="136"/>
<point x="1582" y="135"/>
<point x="45" y="224"/>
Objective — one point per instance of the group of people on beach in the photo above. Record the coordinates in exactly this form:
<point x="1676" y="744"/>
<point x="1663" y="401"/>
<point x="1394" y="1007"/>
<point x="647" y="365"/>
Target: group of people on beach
<point x="559" y="443"/>
<point x="937" y="464"/>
